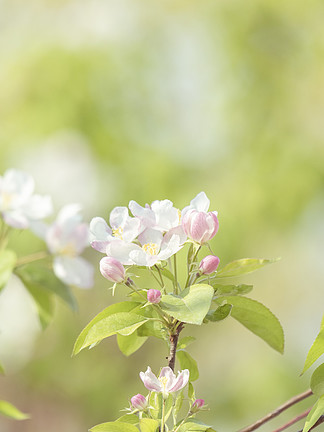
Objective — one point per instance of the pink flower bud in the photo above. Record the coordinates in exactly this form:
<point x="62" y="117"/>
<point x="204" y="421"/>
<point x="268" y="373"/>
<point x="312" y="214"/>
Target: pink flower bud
<point x="197" y="405"/>
<point x="139" y="402"/>
<point x="209" y="264"/>
<point x="200" y="226"/>
<point x="154" y="296"/>
<point x="112" y="269"/>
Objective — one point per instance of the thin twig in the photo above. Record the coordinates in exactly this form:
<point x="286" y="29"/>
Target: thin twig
<point x="277" y="411"/>
<point x="293" y="421"/>
<point x="173" y="345"/>
<point x="319" y="421"/>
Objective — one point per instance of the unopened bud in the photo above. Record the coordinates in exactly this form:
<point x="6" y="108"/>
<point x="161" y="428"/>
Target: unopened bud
<point x="197" y="405"/>
<point x="200" y="226"/>
<point x="139" y="402"/>
<point x="154" y="296"/>
<point x="112" y="269"/>
<point x="209" y="264"/>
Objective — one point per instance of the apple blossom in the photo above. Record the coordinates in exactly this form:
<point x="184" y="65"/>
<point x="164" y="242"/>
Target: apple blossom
<point x="112" y="269"/>
<point x="209" y="264"/>
<point x="66" y="239"/>
<point x="123" y="227"/>
<point x="160" y="215"/>
<point x="154" y="296"/>
<point x="167" y="382"/>
<point x="197" y="405"/>
<point x="139" y="402"/>
<point x="19" y="205"/>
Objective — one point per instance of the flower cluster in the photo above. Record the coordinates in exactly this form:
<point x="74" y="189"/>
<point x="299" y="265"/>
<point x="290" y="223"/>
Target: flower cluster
<point x="152" y="234"/>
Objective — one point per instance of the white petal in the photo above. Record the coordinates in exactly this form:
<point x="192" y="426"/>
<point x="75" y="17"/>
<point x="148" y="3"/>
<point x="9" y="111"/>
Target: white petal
<point x="99" y="229"/>
<point x="166" y="215"/>
<point x="69" y="212"/>
<point x="145" y="214"/>
<point x="18" y="182"/>
<point x="200" y="202"/>
<point x="38" y="207"/>
<point x="151" y="235"/>
<point x="131" y="229"/>
<point x="121" y="250"/>
<point x="150" y="380"/>
<point x="74" y="271"/>
<point x="16" y="219"/>
<point x="118" y="217"/>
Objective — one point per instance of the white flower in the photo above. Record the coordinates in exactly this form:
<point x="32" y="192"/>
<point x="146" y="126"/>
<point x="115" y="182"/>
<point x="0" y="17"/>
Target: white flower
<point x="123" y="227"/>
<point x="200" y="203"/>
<point x="160" y="215"/>
<point x="154" y="247"/>
<point x="167" y="382"/>
<point x="19" y="206"/>
<point x="66" y="239"/>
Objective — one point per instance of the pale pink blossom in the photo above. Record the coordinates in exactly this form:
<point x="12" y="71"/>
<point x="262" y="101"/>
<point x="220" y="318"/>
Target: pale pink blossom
<point x="167" y="382"/>
<point x="19" y="206"/>
<point x="66" y="238"/>
<point x="139" y="402"/>
<point x="154" y="296"/>
<point x="160" y="215"/>
<point x="123" y="227"/>
<point x="209" y="264"/>
<point x="112" y="269"/>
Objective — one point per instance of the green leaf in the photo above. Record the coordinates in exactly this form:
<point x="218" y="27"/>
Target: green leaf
<point x="187" y="362"/>
<point x="8" y="410"/>
<point x="316" y="350"/>
<point x="114" y="427"/>
<point x="221" y="290"/>
<point x="185" y="341"/>
<point x="117" y="318"/>
<point x="317" y="381"/>
<point x="32" y="275"/>
<point x="177" y="406"/>
<point x="191" y="305"/>
<point x="8" y="260"/>
<point x="128" y="418"/>
<point x="156" y="401"/>
<point x="2" y="371"/>
<point x="153" y="328"/>
<point x="148" y="425"/>
<point x="44" y="302"/>
<point x="314" y="414"/>
<point x="129" y="344"/>
<point x="220" y="313"/>
<point x="193" y="425"/>
<point x="191" y="392"/>
<point x="258" y="319"/>
<point x="243" y="266"/>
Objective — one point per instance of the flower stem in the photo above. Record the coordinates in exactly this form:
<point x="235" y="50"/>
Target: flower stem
<point x="163" y="415"/>
<point x="175" y="274"/>
<point x="174" y="336"/>
<point x="31" y="258"/>
<point x="293" y="421"/>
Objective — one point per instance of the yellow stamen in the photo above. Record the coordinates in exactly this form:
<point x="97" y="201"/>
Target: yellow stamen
<point x="6" y="200"/>
<point x="118" y="232"/>
<point x="69" y="250"/>
<point x="151" y="248"/>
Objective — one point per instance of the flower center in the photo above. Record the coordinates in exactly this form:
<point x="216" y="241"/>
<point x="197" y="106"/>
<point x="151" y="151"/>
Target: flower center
<point x="164" y="381"/>
<point x="6" y="200"/>
<point x="69" y="250"/>
<point x="151" y="248"/>
<point x="118" y="232"/>
<point x="179" y="214"/>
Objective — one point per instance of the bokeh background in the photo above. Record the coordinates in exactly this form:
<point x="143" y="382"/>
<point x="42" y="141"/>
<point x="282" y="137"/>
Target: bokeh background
<point x="104" y="101"/>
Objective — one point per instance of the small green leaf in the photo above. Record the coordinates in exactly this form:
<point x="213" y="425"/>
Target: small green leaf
<point x="191" y="305"/>
<point x="148" y="425"/>
<point x="243" y="266"/>
<point x="316" y="350"/>
<point x="100" y="325"/>
<point x="128" y="418"/>
<point x="152" y="328"/>
<point x="44" y="302"/>
<point x="33" y="275"/>
<point x="2" y="371"/>
<point x="177" y="406"/>
<point x="114" y="427"/>
<point x="258" y="319"/>
<point x="8" y="260"/>
<point x="187" y="362"/>
<point x="185" y="341"/>
<point x="193" y="425"/>
<point x="129" y="344"/>
<point x="156" y="401"/>
<point x="220" y="313"/>
<point x="317" y="381"/>
<point x="314" y="414"/>
<point x="191" y="392"/>
<point x="8" y="410"/>
<point x="222" y="290"/>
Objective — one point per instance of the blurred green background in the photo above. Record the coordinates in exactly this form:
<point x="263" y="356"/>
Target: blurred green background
<point x="104" y="101"/>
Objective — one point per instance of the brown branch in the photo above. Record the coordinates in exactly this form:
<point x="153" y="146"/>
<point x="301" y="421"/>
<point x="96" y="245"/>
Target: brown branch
<point x="173" y="345"/>
<point x="319" y="421"/>
<point x="277" y="411"/>
<point x="293" y="421"/>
